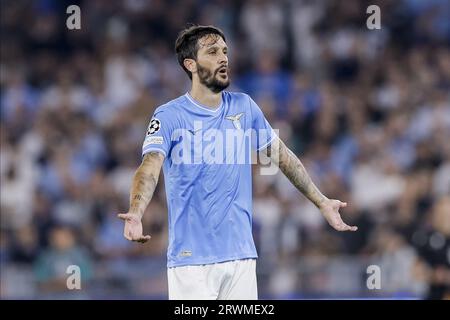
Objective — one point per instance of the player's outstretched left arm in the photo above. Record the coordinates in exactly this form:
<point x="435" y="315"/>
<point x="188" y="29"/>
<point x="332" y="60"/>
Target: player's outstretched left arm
<point x="144" y="183"/>
<point x="294" y="170"/>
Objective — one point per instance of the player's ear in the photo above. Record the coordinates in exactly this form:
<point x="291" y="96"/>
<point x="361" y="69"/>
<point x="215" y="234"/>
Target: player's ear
<point x="190" y="65"/>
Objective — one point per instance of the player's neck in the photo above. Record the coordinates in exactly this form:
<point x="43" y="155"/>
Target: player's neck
<point x="206" y="97"/>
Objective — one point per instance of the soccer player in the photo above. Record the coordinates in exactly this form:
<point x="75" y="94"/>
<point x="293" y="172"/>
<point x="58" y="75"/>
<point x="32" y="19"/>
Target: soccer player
<point x="211" y="253"/>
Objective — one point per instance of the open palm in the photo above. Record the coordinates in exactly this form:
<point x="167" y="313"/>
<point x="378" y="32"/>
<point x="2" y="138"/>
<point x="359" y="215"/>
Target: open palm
<point x="330" y="210"/>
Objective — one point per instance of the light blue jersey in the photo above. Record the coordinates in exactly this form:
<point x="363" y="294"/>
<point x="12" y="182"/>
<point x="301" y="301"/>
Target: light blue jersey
<point x="208" y="178"/>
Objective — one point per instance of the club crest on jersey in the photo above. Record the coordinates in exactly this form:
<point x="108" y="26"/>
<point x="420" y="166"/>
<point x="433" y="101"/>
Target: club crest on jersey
<point x="154" y="126"/>
<point x="236" y="120"/>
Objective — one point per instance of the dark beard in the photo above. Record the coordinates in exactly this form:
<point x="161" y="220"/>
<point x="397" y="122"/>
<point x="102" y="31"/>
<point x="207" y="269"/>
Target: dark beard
<point x="209" y="80"/>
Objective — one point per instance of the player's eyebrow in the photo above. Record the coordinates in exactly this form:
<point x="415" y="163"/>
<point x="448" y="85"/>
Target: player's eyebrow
<point x="214" y="46"/>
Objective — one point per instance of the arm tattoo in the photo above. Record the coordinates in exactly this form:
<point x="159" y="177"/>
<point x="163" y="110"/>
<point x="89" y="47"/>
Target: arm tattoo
<point x="294" y="170"/>
<point x="144" y="182"/>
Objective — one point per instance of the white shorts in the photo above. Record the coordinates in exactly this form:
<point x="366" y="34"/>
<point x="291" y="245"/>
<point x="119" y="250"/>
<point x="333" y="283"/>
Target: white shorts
<point x="231" y="280"/>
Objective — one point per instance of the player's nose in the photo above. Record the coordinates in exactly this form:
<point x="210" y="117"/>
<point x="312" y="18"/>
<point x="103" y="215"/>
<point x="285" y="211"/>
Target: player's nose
<point x="223" y="59"/>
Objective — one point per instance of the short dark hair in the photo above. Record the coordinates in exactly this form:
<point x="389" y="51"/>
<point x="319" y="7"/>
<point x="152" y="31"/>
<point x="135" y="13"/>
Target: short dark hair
<point x="186" y="45"/>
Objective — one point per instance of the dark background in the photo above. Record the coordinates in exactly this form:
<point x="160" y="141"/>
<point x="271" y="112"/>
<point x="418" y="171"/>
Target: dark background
<point x="367" y="111"/>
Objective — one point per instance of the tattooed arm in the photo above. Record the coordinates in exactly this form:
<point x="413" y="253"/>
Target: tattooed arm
<point x="144" y="182"/>
<point x="294" y="170"/>
<point x="143" y="186"/>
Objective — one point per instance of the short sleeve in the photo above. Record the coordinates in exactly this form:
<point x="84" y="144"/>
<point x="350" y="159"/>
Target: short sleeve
<point x="159" y="132"/>
<point x="263" y="134"/>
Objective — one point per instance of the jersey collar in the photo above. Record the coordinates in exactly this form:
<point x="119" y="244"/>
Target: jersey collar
<point x="202" y="106"/>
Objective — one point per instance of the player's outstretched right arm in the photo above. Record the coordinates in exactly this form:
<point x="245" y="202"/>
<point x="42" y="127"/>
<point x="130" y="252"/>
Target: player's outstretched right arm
<point x="142" y="189"/>
<point x="294" y="170"/>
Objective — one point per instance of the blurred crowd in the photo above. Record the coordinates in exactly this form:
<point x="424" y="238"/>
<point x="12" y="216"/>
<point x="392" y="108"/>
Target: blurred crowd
<point x="367" y="111"/>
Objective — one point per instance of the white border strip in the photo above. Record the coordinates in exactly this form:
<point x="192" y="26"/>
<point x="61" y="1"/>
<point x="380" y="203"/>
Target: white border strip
<point x="149" y="149"/>
<point x="274" y="135"/>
